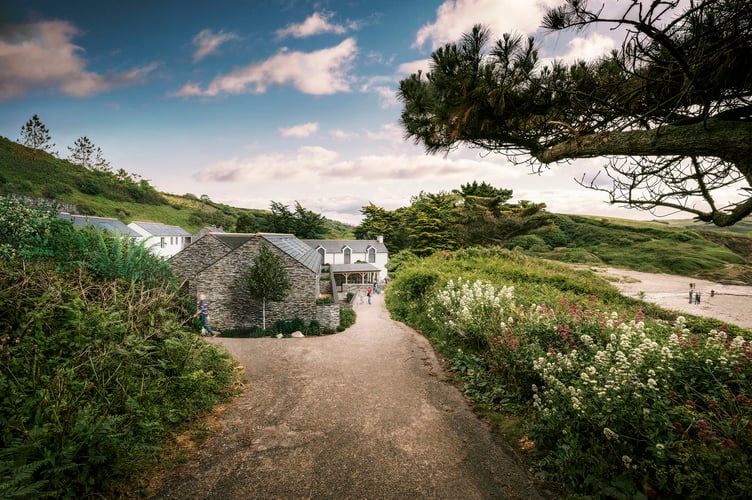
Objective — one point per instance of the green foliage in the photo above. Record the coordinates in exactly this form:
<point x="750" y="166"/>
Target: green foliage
<point x="266" y="279"/>
<point x="36" y="136"/>
<point x="622" y="400"/>
<point x="302" y="223"/>
<point x="96" y="369"/>
<point x="642" y="246"/>
<point x="347" y="318"/>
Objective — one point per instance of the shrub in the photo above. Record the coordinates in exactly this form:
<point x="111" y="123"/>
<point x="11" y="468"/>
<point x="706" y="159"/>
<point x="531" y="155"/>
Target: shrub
<point x="325" y="299"/>
<point x="346" y="318"/>
<point x="89" y="186"/>
<point x="96" y="369"/>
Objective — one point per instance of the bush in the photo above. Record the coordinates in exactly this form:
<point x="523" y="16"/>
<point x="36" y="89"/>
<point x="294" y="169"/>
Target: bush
<point x="113" y="371"/>
<point x="325" y="299"/>
<point x="89" y="186"/>
<point x="346" y="318"/>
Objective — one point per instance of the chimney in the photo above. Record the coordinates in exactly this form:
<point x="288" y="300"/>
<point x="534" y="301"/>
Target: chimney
<point x="380" y="238"/>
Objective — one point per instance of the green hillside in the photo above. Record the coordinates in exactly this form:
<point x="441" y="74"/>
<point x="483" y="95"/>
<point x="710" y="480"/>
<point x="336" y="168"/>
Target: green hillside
<point x="122" y="195"/>
<point x="674" y="247"/>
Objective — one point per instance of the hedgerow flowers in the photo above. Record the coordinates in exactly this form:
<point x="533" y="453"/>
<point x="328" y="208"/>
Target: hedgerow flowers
<point x="647" y="401"/>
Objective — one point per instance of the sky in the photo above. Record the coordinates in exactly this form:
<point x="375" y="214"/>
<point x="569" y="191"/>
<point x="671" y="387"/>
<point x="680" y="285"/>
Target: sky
<point x="249" y="102"/>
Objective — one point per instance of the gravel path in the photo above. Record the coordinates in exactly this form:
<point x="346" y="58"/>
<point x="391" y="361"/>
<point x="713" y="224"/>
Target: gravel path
<point x="366" y="413"/>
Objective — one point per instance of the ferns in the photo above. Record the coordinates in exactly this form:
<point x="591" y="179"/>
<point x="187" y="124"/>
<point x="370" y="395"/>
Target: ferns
<point x="95" y="369"/>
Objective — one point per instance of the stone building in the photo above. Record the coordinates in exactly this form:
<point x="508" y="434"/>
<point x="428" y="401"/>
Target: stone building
<point x="214" y="263"/>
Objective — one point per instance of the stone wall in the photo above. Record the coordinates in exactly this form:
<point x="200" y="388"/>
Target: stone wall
<point x="328" y="315"/>
<point x="230" y="305"/>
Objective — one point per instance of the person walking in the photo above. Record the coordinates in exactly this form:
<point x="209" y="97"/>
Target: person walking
<point x="368" y="294"/>
<point x="202" y="310"/>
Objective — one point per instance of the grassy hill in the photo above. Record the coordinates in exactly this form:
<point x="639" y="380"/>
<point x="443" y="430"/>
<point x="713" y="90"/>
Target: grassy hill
<point x="120" y="195"/>
<point x="674" y="247"/>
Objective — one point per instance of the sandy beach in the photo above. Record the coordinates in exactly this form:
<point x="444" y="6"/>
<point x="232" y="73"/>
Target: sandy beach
<point x="732" y="303"/>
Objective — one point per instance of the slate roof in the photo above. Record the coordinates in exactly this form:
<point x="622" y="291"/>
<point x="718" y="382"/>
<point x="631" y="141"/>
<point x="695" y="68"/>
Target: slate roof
<point x="336" y="246"/>
<point x="111" y="225"/>
<point x="157" y="229"/>
<point x="232" y="240"/>
<point x="288" y="243"/>
<point x="359" y="267"/>
<point x="295" y="248"/>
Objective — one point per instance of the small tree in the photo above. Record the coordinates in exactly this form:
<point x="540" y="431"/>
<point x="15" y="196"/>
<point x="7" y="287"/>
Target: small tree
<point x="266" y="280"/>
<point x="35" y="135"/>
<point x="82" y="152"/>
<point x="100" y="163"/>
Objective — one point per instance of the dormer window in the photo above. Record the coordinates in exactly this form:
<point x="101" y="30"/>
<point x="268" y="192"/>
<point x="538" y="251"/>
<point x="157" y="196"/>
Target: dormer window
<point x="322" y="252"/>
<point x="346" y="253"/>
<point x="371" y="255"/>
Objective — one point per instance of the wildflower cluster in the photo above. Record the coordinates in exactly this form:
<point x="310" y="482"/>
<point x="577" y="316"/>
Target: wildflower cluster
<point x="636" y="389"/>
<point x="475" y="311"/>
<point x="7" y="344"/>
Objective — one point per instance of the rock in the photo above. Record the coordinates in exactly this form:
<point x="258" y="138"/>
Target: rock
<point x="297" y="335"/>
<point x="279" y="335"/>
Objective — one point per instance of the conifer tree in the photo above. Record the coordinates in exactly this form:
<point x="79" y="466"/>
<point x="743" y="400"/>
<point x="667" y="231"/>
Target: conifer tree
<point x="36" y="136"/>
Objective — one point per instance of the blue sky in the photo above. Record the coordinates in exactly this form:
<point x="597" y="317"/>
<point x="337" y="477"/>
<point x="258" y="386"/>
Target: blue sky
<point x="253" y="101"/>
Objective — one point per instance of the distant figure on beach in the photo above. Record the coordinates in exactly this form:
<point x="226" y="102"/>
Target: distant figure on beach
<point x="690" y="293"/>
<point x="697" y="297"/>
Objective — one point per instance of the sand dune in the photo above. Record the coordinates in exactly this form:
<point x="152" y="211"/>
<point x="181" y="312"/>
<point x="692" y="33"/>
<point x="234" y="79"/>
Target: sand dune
<point x="731" y="303"/>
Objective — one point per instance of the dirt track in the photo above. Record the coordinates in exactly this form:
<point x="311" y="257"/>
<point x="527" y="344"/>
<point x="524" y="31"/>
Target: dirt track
<point x="367" y="413"/>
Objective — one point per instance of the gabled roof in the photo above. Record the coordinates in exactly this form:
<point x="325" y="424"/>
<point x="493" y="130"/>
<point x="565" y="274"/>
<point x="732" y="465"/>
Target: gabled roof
<point x="232" y="240"/>
<point x="296" y="249"/>
<point x="105" y="223"/>
<point x="287" y="243"/>
<point x="336" y="246"/>
<point x="157" y="229"/>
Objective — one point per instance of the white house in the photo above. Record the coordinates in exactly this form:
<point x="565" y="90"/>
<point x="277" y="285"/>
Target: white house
<point x="165" y="241"/>
<point x="353" y="261"/>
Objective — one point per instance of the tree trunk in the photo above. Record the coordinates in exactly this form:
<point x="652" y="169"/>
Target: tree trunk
<point x="263" y="312"/>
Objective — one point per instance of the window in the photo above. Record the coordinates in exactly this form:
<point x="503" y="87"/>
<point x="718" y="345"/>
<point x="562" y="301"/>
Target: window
<point x="322" y="252"/>
<point x="161" y="242"/>
<point x="371" y="255"/>
<point x="346" y="253"/>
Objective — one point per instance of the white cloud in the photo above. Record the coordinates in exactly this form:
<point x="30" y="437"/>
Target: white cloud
<point x="208" y="42"/>
<point x="42" y="56"/>
<point x="413" y="67"/>
<point x="456" y="17"/>
<point x="585" y="48"/>
<point x="316" y="24"/>
<point x="390" y="132"/>
<point x="343" y="135"/>
<point x="304" y="130"/>
<point x="384" y="87"/>
<point x="324" y="71"/>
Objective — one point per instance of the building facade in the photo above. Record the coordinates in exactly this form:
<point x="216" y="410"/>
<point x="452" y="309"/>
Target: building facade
<point x="214" y="264"/>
